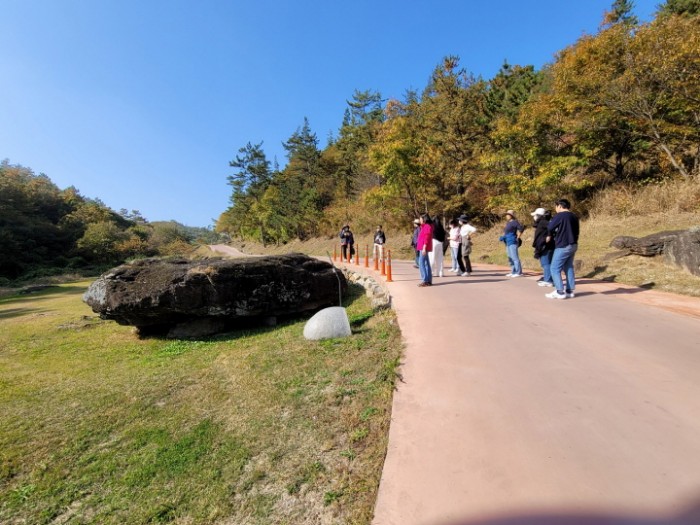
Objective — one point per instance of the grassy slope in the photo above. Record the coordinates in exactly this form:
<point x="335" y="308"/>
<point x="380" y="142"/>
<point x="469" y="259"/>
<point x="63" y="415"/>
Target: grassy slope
<point x="98" y="426"/>
<point x="596" y="235"/>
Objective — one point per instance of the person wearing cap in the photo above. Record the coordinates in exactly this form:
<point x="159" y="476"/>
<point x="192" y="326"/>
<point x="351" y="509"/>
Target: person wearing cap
<point x="564" y="229"/>
<point x="465" y="248"/>
<point x="543" y="249"/>
<point x="424" y="245"/>
<point x="511" y="237"/>
<point x="414" y="240"/>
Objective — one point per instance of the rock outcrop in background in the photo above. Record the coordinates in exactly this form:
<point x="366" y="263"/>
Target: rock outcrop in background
<point x="679" y="247"/>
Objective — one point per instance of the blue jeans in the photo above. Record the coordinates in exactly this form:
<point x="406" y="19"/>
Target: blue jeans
<point x="426" y="274"/>
<point x="514" y="259"/>
<point x="545" y="262"/>
<point x="454" y="250"/>
<point x="563" y="261"/>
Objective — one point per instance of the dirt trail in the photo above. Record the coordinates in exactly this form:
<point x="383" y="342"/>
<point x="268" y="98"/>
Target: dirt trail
<point x="229" y="251"/>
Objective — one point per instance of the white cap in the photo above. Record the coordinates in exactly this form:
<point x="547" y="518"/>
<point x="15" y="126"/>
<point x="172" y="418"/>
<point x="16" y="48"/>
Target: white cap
<point x="538" y="211"/>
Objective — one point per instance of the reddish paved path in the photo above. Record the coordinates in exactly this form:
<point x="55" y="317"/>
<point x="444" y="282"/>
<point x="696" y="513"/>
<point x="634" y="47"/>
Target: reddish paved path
<point x="513" y="404"/>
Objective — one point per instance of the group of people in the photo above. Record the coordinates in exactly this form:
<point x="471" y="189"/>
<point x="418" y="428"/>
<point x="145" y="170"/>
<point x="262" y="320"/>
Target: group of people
<point x="555" y="243"/>
<point x="430" y="241"/>
<point x="347" y="243"/>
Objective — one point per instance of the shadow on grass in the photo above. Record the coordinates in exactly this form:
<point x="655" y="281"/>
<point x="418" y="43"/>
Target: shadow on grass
<point x="43" y="293"/>
<point x="597" y="271"/>
<point x="17" y="312"/>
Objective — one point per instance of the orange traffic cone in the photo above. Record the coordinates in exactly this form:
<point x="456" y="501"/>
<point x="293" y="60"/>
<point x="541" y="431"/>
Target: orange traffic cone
<point x="388" y="268"/>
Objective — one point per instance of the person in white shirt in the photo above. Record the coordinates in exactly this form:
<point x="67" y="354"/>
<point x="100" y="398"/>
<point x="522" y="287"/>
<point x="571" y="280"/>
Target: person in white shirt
<point x="455" y="243"/>
<point x="466" y="230"/>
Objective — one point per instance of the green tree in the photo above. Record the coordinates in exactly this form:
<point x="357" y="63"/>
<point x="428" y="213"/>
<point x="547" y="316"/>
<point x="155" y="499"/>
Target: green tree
<point x="680" y="7"/>
<point x="301" y="182"/>
<point x="99" y="242"/>
<point x="361" y="121"/>
<point x="249" y="183"/>
<point x="621" y="12"/>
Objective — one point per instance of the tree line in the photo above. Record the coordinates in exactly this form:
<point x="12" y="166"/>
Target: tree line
<point x="618" y="107"/>
<point x="45" y="230"/>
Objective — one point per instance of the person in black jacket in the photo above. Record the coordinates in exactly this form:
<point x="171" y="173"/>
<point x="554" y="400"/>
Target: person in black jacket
<point x="564" y="230"/>
<point x="436" y="254"/>
<point x="543" y="249"/>
<point x="379" y="242"/>
<point x="347" y="243"/>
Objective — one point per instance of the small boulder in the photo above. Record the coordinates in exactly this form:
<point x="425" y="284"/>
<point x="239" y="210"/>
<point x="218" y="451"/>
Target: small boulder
<point x="329" y="323"/>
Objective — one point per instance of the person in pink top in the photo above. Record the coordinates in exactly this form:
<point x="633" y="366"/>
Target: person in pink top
<point x="424" y="247"/>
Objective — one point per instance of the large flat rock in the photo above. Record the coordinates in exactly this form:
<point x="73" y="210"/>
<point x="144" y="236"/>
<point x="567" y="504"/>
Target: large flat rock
<point x="165" y="295"/>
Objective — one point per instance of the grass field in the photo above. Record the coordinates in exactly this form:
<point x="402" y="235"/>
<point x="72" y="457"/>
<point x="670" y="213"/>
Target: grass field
<point x="260" y="426"/>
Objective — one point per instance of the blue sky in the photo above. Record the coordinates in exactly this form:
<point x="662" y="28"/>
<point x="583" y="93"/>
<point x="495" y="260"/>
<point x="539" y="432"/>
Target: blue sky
<point x="143" y="103"/>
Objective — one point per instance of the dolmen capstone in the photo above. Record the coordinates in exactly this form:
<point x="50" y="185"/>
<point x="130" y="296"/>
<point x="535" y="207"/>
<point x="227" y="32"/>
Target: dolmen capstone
<point x="181" y="298"/>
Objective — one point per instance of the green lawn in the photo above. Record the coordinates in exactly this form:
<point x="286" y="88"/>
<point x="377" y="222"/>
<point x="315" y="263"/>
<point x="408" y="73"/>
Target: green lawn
<point x="261" y="426"/>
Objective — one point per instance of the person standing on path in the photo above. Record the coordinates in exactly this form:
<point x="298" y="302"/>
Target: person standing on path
<point x="436" y="254"/>
<point x="465" y="249"/>
<point x="344" y="242"/>
<point x="455" y="242"/>
<point x="511" y="237"/>
<point x="414" y="240"/>
<point x="347" y="243"/>
<point x="379" y="242"/>
<point x="564" y="229"/>
<point x="543" y="249"/>
<point x="424" y="245"/>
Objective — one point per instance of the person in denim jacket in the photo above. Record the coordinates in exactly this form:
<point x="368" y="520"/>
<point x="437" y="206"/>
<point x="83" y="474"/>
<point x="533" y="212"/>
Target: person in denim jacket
<point x="511" y="237"/>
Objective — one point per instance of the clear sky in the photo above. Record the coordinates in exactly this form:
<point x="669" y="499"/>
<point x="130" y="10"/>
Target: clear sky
<point x="143" y="103"/>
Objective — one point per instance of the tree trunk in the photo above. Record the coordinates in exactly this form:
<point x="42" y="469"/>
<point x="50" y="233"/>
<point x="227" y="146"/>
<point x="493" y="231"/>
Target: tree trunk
<point x="663" y="147"/>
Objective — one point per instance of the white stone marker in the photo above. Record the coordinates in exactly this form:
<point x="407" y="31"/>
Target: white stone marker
<point x="328" y="323"/>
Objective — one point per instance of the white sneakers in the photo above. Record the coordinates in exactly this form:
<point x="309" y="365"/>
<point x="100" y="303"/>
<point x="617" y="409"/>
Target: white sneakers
<point x="545" y="283"/>
<point x="555" y="295"/>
